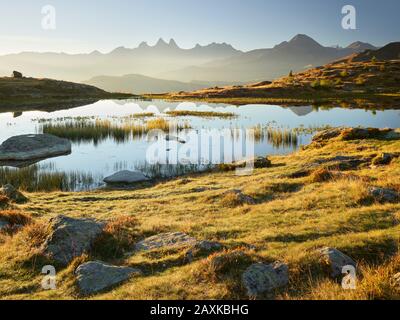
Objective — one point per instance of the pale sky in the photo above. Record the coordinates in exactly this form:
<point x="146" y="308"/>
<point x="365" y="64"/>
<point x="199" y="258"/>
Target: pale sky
<point x="84" y="26"/>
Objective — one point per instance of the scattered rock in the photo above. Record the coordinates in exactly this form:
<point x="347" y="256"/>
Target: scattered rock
<point x="261" y="278"/>
<point x="4" y="225"/>
<point x="383" y="159"/>
<point x="166" y="241"/>
<point x="93" y="277"/>
<point x="327" y="134"/>
<point x="33" y="146"/>
<point x="336" y="260"/>
<point x="126" y="177"/>
<point x="13" y="194"/>
<point x="203" y="247"/>
<point x="383" y="195"/>
<point x="70" y="238"/>
<point x="17" y="75"/>
<point x="174" y="138"/>
<point x="342" y="162"/>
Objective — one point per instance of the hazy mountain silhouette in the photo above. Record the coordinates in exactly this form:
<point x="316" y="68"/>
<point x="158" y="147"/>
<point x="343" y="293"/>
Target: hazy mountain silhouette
<point x="299" y="53"/>
<point x="166" y="60"/>
<point x="135" y="83"/>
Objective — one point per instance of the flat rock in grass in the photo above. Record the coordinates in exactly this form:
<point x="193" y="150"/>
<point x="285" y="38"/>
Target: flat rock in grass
<point x="240" y="196"/>
<point x="383" y="194"/>
<point x="336" y="260"/>
<point x="13" y="194"/>
<point x="262" y="278"/>
<point x="70" y="238"/>
<point x="96" y="276"/>
<point x="33" y="146"/>
<point x="166" y="241"/>
<point x="126" y="177"/>
<point x="203" y="247"/>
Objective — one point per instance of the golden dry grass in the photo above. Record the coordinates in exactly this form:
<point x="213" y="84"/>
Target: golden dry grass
<point x="290" y="219"/>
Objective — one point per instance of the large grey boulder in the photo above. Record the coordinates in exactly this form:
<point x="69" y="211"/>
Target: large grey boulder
<point x="13" y="194"/>
<point x="126" y="177"/>
<point x="166" y="241"/>
<point x="262" y="278"/>
<point x="33" y="146"/>
<point x="70" y="238"/>
<point x="336" y="260"/>
<point x="96" y="276"/>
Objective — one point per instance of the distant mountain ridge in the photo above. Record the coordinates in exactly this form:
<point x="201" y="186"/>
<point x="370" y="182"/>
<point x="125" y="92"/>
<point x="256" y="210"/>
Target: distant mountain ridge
<point x="216" y="62"/>
<point x="139" y="84"/>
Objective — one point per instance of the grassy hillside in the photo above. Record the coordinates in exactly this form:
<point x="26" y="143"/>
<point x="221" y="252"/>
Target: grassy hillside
<point x="347" y="80"/>
<point x="305" y="201"/>
<point x="14" y="91"/>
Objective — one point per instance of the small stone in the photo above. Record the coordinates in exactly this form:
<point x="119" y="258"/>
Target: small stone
<point x="383" y="195"/>
<point x="126" y="177"/>
<point x="96" y="276"/>
<point x="336" y="260"/>
<point x="261" y="278"/>
<point x="70" y="238"/>
<point x="4" y="225"/>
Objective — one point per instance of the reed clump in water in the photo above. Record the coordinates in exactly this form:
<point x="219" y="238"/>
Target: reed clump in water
<point x="98" y="130"/>
<point x="204" y="114"/>
<point x="34" y="179"/>
<point x="278" y="137"/>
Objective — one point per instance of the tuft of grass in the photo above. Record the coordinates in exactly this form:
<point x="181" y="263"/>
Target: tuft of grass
<point x="204" y="114"/>
<point x="118" y="236"/>
<point x="322" y="175"/>
<point x="15" y="217"/>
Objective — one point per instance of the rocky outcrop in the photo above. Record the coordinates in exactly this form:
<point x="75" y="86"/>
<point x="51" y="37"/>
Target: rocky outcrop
<point x="33" y="146"/>
<point x="17" y="75"/>
<point x="383" y="195"/>
<point x="261" y="278"/>
<point x="126" y="177"/>
<point x="70" y="238"/>
<point x="13" y="194"/>
<point x="355" y="134"/>
<point x="336" y="261"/>
<point x="96" y="276"/>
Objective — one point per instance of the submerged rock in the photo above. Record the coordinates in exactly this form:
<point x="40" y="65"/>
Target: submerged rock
<point x="96" y="276"/>
<point x="336" y="260"/>
<point x="13" y="194"/>
<point x="261" y="278"/>
<point x="383" y="194"/>
<point x="166" y="241"/>
<point x="126" y="177"/>
<point x="70" y="238"/>
<point x="33" y="146"/>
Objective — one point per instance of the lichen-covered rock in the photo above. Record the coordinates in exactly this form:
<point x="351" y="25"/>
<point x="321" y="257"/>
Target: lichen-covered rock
<point x="96" y="276"/>
<point x="33" y="146"/>
<point x="336" y="260"/>
<point x="13" y="194"/>
<point x="327" y="134"/>
<point x="126" y="177"/>
<point x="70" y="238"/>
<point x="166" y="241"/>
<point x="383" y="194"/>
<point x="261" y="278"/>
<point x="203" y="247"/>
